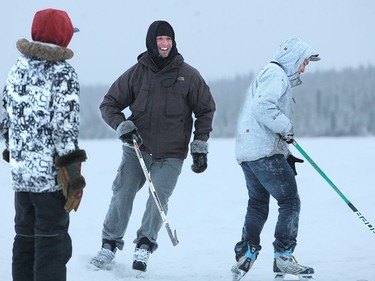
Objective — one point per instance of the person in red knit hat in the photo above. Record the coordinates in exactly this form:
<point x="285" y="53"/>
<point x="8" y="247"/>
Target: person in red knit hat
<point x="39" y="122"/>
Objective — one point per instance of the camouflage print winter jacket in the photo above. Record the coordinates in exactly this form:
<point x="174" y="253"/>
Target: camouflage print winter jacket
<point x="40" y="114"/>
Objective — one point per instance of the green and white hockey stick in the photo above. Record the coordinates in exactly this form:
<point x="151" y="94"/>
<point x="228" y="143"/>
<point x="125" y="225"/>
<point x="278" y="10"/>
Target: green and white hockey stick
<point x="351" y="206"/>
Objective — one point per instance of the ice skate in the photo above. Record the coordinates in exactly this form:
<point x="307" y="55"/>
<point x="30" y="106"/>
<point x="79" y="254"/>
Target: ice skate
<point x="140" y="258"/>
<point x="285" y="263"/>
<point x="103" y="260"/>
<point x="244" y="263"/>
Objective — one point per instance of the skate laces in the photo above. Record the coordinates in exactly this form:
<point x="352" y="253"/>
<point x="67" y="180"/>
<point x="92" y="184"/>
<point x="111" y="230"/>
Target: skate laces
<point x="141" y="254"/>
<point x="103" y="259"/>
<point x="105" y="255"/>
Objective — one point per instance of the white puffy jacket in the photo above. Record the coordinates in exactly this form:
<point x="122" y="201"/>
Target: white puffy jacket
<point x="267" y="110"/>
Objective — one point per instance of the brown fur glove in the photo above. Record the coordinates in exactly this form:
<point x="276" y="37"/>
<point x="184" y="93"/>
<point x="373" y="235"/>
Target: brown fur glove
<point x="70" y="179"/>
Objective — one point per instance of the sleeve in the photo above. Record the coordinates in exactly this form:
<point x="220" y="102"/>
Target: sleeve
<point x="66" y="110"/>
<point x="270" y="89"/>
<point x="203" y="107"/>
<point x="118" y="97"/>
<point x="4" y="121"/>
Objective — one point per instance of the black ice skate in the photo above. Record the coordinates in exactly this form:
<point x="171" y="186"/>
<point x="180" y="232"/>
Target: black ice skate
<point x="140" y="258"/>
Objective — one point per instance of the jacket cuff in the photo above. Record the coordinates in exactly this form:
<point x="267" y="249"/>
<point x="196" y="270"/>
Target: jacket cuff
<point x="198" y="146"/>
<point x="73" y="157"/>
<point x="125" y="127"/>
<point x="6" y="155"/>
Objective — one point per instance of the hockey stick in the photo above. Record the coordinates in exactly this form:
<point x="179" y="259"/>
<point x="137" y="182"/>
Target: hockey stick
<point x="351" y="206"/>
<point x="173" y="236"/>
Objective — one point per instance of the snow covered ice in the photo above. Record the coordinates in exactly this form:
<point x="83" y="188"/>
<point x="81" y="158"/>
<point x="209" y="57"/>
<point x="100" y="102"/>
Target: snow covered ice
<point x="208" y="210"/>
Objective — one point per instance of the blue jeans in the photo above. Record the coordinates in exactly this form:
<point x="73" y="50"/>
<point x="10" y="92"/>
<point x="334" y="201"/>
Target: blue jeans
<point x="264" y="177"/>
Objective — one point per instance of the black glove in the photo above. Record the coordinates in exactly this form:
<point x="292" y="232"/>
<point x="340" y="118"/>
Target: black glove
<point x="199" y="162"/>
<point x="126" y="131"/>
<point x="6" y="156"/>
<point x="288" y="138"/>
<point x="292" y="162"/>
<point x="128" y="138"/>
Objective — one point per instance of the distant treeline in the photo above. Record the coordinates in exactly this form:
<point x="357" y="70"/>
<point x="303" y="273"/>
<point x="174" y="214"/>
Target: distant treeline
<point x="328" y="103"/>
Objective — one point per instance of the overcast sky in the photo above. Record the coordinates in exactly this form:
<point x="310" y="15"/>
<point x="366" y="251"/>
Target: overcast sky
<point x="219" y="38"/>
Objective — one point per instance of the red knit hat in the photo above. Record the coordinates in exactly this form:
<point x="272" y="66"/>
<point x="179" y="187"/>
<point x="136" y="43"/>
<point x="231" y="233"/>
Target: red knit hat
<point x="52" y="26"/>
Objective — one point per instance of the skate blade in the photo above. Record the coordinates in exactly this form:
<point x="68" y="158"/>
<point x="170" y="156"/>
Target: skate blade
<point x="291" y="277"/>
<point x="139" y="274"/>
<point x="98" y="266"/>
<point x="237" y="273"/>
<point x="306" y="277"/>
<point x="92" y="267"/>
<point x="279" y="277"/>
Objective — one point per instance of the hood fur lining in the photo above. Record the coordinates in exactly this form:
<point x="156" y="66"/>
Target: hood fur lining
<point x="44" y="52"/>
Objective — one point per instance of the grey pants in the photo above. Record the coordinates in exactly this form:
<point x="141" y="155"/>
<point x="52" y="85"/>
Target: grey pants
<point x="129" y="180"/>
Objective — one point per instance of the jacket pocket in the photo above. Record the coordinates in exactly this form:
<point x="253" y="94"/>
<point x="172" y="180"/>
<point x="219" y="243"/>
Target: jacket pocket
<point x="141" y="99"/>
<point x="176" y="101"/>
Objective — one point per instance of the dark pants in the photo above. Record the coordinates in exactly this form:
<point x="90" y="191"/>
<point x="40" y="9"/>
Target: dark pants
<point x="264" y="177"/>
<point x="42" y="246"/>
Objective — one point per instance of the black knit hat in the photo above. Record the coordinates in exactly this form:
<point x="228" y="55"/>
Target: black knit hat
<point x="164" y="29"/>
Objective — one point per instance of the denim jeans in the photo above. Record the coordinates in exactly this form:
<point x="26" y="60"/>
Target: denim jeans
<point x="271" y="176"/>
<point x="129" y="180"/>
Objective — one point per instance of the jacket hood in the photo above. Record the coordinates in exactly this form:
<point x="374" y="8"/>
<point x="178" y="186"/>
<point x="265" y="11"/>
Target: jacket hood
<point x="291" y="54"/>
<point x="42" y="51"/>
<point x="152" y="48"/>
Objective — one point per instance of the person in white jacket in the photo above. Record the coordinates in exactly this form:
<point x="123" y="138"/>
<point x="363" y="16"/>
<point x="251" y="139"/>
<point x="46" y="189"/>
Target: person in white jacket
<point x="264" y="131"/>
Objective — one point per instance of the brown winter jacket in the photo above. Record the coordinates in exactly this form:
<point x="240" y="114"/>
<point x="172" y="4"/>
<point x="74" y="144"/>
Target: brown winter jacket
<point x="162" y="103"/>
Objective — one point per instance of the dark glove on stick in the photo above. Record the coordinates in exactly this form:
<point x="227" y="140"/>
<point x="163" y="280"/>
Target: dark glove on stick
<point x="288" y="138"/>
<point x="128" y="138"/>
<point x="70" y="179"/>
<point x="127" y="131"/>
<point x="6" y="155"/>
<point x="199" y="162"/>
<point x="292" y="162"/>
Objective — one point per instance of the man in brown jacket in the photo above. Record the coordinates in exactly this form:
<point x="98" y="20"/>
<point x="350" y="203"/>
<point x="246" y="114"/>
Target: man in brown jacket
<point x="162" y="92"/>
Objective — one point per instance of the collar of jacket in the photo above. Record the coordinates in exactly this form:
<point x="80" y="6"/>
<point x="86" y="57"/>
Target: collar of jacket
<point x="145" y="59"/>
<point x="294" y="79"/>
<point x="42" y="51"/>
